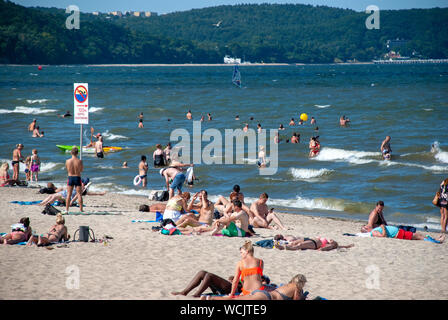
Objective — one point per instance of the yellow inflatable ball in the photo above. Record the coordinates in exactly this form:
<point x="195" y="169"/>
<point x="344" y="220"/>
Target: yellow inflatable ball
<point x="304" y="117"/>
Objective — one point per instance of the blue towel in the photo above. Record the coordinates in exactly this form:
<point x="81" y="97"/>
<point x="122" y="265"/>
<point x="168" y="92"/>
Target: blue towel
<point x="159" y="218"/>
<point x="269" y="243"/>
<point x="23" y="203"/>
<point x="431" y="239"/>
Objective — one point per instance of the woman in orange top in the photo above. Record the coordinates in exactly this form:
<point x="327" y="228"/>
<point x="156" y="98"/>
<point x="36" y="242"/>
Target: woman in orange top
<point x="250" y="269"/>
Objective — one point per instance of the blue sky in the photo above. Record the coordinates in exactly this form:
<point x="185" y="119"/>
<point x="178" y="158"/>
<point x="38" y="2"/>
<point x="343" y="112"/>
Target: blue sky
<point x="166" y="6"/>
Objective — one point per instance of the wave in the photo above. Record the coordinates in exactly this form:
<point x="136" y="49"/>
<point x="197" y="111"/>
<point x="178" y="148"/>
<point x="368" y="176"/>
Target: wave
<point x="428" y="109"/>
<point x="27" y="110"/>
<point x="94" y="109"/>
<point x="440" y="155"/>
<point x="111" y="136"/>
<point x="304" y="174"/>
<point x="322" y="106"/>
<point x="352" y="156"/>
<point x="300" y="203"/>
<point x="37" y="101"/>
<point x="44" y="166"/>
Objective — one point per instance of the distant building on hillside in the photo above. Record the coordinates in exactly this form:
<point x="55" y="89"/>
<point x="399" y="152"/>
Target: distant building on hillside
<point x="136" y="13"/>
<point x="96" y="13"/>
<point x="116" y="13"/>
<point x="149" y="14"/>
<point x="228" y="59"/>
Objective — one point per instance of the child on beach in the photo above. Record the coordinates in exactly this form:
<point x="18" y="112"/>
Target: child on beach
<point x="28" y="168"/>
<point x="35" y="165"/>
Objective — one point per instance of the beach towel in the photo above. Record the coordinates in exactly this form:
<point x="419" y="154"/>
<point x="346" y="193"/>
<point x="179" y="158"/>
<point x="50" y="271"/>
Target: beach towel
<point x="26" y="203"/>
<point x="268" y="244"/>
<point x="361" y="234"/>
<point x="100" y="213"/>
<point x="159" y="218"/>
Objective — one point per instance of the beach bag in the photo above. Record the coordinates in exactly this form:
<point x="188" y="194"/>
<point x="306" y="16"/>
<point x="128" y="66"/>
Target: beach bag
<point x="435" y="201"/>
<point x="50" y="210"/>
<point x="162" y="196"/>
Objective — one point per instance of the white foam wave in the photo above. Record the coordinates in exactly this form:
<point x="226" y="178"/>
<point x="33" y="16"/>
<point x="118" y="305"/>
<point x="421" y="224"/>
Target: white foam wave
<point x="440" y="155"/>
<point x="322" y="106"/>
<point x="304" y="174"/>
<point x="428" y="109"/>
<point x="37" y="101"/>
<point x="111" y="136"/>
<point x="352" y="156"/>
<point x="299" y="202"/>
<point x="27" y="110"/>
<point x="104" y="167"/>
<point x="44" y="166"/>
<point x="94" y="109"/>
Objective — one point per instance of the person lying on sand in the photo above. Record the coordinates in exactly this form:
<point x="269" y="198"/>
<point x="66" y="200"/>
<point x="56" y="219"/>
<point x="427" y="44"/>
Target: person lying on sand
<point x="205" y="212"/>
<point x="20" y="232"/>
<point x="394" y="232"/>
<point x="61" y="194"/>
<point x="319" y="243"/>
<point x="57" y="233"/>
<point x="262" y="216"/>
<point x="291" y="291"/>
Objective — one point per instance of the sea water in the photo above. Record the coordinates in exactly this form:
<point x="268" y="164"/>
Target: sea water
<point x="347" y="178"/>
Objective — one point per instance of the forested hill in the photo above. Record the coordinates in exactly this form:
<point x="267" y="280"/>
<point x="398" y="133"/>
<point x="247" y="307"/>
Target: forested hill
<point x="268" y="33"/>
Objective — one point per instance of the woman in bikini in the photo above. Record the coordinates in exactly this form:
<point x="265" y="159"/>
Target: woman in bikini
<point x="4" y="176"/>
<point x="291" y="291"/>
<point x="319" y="243"/>
<point x="175" y="206"/>
<point x="57" y="233"/>
<point x="250" y="269"/>
<point x="21" y="232"/>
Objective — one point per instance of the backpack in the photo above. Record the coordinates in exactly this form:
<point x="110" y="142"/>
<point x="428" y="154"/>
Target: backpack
<point x="161" y="196"/>
<point x="50" y="210"/>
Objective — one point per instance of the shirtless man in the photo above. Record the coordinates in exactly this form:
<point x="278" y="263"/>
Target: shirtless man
<point x="99" y="147"/>
<point x="32" y="125"/>
<point x="292" y="122"/>
<point x="295" y="138"/>
<point x="226" y="207"/>
<point x="74" y="168"/>
<point x="189" y="115"/>
<point x="376" y="218"/>
<point x="262" y="215"/>
<point x="313" y="121"/>
<point x="343" y="121"/>
<point x="235" y="225"/>
<point x="143" y="171"/>
<point x="140" y="123"/>
<point x="386" y="150"/>
<point x="205" y="212"/>
<point x="175" y="173"/>
<point x="36" y="133"/>
<point x="16" y="159"/>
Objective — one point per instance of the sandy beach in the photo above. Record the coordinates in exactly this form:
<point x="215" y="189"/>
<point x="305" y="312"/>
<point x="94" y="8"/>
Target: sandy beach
<point x="139" y="263"/>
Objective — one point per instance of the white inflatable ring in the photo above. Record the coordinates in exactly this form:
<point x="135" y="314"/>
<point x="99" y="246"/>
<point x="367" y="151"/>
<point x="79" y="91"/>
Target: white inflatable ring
<point x="137" y="180"/>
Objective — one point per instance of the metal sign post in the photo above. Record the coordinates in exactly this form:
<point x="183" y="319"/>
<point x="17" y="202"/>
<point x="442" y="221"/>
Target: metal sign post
<point x="81" y="105"/>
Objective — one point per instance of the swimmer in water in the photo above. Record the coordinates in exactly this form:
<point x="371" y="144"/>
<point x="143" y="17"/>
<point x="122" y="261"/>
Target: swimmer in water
<point x="189" y="115"/>
<point x="125" y="165"/>
<point x="246" y="127"/>
<point x="292" y="122"/>
<point x="343" y="121"/>
<point x="386" y="150"/>
<point x="237" y="117"/>
<point x="313" y="121"/>
<point x="314" y="146"/>
<point x="261" y="157"/>
<point x="140" y="123"/>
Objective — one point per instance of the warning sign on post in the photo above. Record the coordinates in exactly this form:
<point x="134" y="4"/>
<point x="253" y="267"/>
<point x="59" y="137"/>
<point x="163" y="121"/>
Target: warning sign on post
<point x="81" y="103"/>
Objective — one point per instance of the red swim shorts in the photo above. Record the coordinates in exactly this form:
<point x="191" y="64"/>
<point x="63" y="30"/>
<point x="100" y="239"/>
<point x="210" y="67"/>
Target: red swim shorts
<point x="405" y="235"/>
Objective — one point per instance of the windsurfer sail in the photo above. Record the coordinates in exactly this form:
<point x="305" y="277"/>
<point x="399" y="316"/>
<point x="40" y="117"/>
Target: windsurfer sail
<point x="236" y="78"/>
